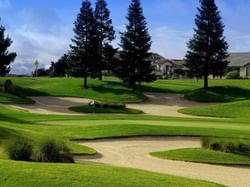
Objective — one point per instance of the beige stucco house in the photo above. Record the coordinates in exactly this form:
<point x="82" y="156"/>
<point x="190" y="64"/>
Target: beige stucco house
<point x="241" y="63"/>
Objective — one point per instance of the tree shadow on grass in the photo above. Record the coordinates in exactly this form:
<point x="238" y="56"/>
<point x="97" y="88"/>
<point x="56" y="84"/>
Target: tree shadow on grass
<point x="117" y="88"/>
<point x="29" y="92"/>
<point x="219" y="94"/>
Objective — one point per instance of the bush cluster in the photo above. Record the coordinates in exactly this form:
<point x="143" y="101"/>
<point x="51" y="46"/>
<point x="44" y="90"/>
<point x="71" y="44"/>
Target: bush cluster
<point x="241" y="147"/>
<point x="48" y="151"/>
<point x="107" y="105"/>
<point x="233" y="75"/>
<point x="20" y="149"/>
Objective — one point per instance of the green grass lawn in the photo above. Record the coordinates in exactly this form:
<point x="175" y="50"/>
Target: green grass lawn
<point x="15" y="123"/>
<point x="92" y="110"/>
<point x="16" y="174"/>
<point x="203" y="156"/>
<point x="240" y="109"/>
<point x="111" y="90"/>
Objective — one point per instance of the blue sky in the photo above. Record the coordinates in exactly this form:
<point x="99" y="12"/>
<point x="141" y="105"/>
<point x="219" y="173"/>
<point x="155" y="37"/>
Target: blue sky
<point x="42" y="29"/>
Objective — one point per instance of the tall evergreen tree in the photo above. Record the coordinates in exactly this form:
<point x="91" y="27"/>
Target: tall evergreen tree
<point x="83" y="53"/>
<point x="208" y="48"/>
<point x="136" y="43"/>
<point x="105" y="33"/>
<point x="5" y="56"/>
<point x="60" y="68"/>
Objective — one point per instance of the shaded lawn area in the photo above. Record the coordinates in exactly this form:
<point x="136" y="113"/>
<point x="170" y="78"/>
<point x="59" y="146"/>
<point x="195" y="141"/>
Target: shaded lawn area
<point x="6" y="98"/>
<point x="203" y="156"/>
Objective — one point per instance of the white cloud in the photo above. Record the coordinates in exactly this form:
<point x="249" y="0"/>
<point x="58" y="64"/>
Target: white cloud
<point x="42" y="37"/>
<point x="169" y="42"/>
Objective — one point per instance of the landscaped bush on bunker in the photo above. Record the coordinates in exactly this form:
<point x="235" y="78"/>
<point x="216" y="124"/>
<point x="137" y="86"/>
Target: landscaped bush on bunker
<point x="52" y="151"/>
<point x="241" y="147"/>
<point x="20" y="149"/>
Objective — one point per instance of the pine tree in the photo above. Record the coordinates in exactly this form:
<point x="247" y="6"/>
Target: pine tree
<point x="83" y="53"/>
<point x="208" y="48"/>
<point x="105" y="33"/>
<point x="5" y="57"/>
<point x="60" y="68"/>
<point x="136" y="43"/>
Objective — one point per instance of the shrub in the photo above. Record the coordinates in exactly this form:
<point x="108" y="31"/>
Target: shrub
<point x="216" y="147"/>
<point x="241" y="147"/>
<point x="52" y="151"/>
<point x="107" y="105"/>
<point x="20" y="149"/>
<point x="233" y="75"/>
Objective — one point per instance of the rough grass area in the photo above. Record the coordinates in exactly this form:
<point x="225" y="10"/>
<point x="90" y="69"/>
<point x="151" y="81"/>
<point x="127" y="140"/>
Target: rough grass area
<point x="204" y="156"/>
<point x="240" y="109"/>
<point x="92" y="110"/>
<point x="16" y="174"/>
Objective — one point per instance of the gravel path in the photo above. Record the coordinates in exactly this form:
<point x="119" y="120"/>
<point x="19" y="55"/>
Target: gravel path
<point x="134" y="153"/>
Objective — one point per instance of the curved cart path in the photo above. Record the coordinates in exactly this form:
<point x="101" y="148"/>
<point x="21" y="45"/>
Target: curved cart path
<point x="162" y="104"/>
<point x="134" y="153"/>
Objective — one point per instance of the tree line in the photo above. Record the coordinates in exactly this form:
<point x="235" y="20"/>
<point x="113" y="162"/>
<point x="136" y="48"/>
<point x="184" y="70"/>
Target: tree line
<point x="91" y="52"/>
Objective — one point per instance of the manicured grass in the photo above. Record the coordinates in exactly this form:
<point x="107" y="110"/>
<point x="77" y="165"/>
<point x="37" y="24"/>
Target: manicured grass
<point x="219" y="91"/>
<point x="111" y="90"/>
<point x="36" y="127"/>
<point x="10" y="99"/>
<point x="240" y="109"/>
<point x="16" y="174"/>
<point x="204" y="156"/>
<point x="219" y="94"/>
<point x="92" y="110"/>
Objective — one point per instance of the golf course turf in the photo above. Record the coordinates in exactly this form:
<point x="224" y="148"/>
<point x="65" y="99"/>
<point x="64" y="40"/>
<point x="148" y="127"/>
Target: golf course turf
<point x="36" y="127"/>
<point x="204" y="156"/>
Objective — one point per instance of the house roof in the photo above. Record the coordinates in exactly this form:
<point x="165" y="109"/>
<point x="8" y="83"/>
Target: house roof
<point x="239" y="59"/>
<point x="158" y="59"/>
<point x="178" y="62"/>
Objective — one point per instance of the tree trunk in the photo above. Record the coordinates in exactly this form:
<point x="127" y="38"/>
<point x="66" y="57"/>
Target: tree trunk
<point x="206" y="82"/>
<point x="100" y="76"/>
<point x="85" y="85"/>
<point x="134" y="86"/>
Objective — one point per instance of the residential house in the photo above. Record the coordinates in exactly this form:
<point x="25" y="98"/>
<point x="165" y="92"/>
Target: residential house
<point x="162" y="66"/>
<point x="240" y="62"/>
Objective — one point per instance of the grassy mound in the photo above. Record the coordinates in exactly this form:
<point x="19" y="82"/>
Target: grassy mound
<point x="219" y="94"/>
<point x="204" y="156"/>
<point x="240" y="109"/>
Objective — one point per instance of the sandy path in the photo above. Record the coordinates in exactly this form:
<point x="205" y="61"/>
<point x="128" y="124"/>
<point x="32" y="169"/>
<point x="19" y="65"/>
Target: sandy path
<point x="134" y="153"/>
<point x="162" y="104"/>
